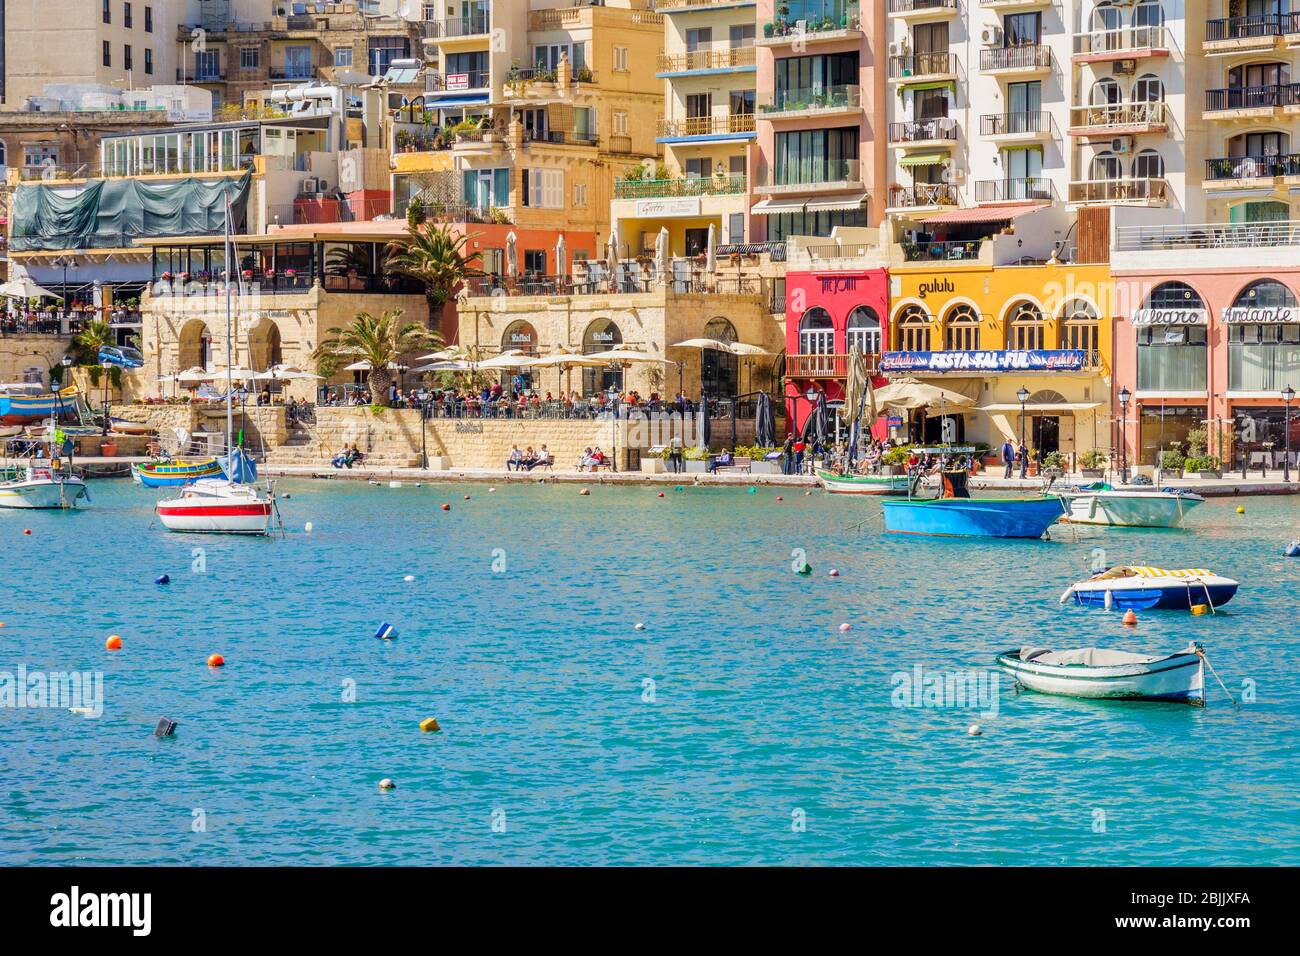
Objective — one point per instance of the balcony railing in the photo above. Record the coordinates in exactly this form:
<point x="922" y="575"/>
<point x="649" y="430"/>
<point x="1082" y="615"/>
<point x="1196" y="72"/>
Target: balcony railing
<point x="727" y="58"/>
<point x="1108" y="115"/>
<point x="1125" y="40"/>
<point x="707" y="125"/>
<point x="826" y="365"/>
<point x="1212" y="235"/>
<point x="1016" y="189"/>
<point x="829" y="22"/>
<point x="921" y="6"/>
<point x="1246" y="28"/>
<point x="1253" y="167"/>
<point x="1253" y="97"/>
<point x="690" y="4"/>
<point x="455" y="82"/>
<point x="1013" y="124"/>
<point x="922" y="64"/>
<point x="922" y="194"/>
<point x="294" y="71"/>
<point x="813" y="99"/>
<point x="539" y="74"/>
<point x="1119" y="190"/>
<point x="672" y="188"/>
<point x="811" y="174"/>
<point x="478" y="25"/>
<point x="918" y="131"/>
<point x="1032" y="56"/>
<point x="560" y="136"/>
<point x="952" y="250"/>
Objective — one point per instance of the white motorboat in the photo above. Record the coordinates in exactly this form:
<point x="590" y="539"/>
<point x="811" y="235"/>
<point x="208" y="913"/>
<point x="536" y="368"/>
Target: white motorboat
<point x="1100" y="673"/>
<point x="1128" y="507"/>
<point x="39" y="485"/>
<point x="215" y="505"/>
<point x="1138" y="587"/>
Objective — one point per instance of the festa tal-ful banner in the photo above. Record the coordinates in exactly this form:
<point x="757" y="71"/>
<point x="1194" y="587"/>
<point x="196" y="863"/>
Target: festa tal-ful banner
<point x="987" y="360"/>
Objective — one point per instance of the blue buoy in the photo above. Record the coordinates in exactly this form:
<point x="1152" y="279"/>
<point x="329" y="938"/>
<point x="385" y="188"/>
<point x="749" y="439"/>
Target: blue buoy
<point x="1293" y="550"/>
<point x="163" y="579"/>
<point x="385" y="631"/>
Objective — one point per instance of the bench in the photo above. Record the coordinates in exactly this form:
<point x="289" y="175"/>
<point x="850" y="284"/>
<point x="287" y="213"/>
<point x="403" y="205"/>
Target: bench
<point x="737" y="464"/>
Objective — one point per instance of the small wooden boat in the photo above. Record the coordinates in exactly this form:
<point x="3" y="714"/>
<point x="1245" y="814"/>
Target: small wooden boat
<point x="959" y="515"/>
<point x="1138" y="587"/>
<point x="181" y="471"/>
<point x="22" y="409"/>
<point x="124" y="427"/>
<point x="1103" y="674"/>
<point x="863" y="484"/>
<point x="1129" y="508"/>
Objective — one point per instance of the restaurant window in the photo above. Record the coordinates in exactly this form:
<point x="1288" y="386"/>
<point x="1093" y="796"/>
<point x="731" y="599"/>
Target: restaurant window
<point x="1171" y="355"/>
<point x="1263" y="338"/>
<point x="521" y="336"/>
<point x="961" y="329"/>
<point x="535" y="262"/>
<point x="600" y="336"/>
<point x="914" y="330"/>
<point x="863" y="330"/>
<point x="348" y="265"/>
<point x="816" y="332"/>
<point x="1079" y="327"/>
<point x="1026" y="327"/>
<point x="1165" y="427"/>
<point x="718" y="369"/>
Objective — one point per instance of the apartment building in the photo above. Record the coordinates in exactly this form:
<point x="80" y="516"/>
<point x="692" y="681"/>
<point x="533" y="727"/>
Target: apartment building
<point x="112" y="42"/>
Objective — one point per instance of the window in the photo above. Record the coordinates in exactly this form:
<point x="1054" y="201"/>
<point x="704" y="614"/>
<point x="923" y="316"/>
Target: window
<point x="699" y="39"/>
<point x="108" y="53"/>
<point x="543" y="188"/>
<point x="1079" y="326"/>
<point x="41" y="154"/>
<point x="808" y="223"/>
<point x="816" y="332"/>
<point x="1106" y="165"/>
<point x="148" y="61"/>
<point x="1148" y="89"/>
<point x="914" y="330"/>
<point x="961" y="329"/>
<point x="207" y="65"/>
<point x="486" y="188"/>
<point x="126" y="57"/>
<point x="742" y="34"/>
<point x="1172" y="353"/>
<point x="4" y="154"/>
<point x="384" y="50"/>
<point x="719" y="369"/>
<point x="620" y="123"/>
<point x="250" y="57"/>
<point x="1105" y="92"/>
<point x="620" y="58"/>
<point x="816" y="156"/>
<point x="580" y="194"/>
<point x="126" y="15"/>
<point x="736" y="227"/>
<point x="148" y="19"/>
<point x="1026" y="327"/>
<point x="820" y="72"/>
<point x="535" y="262"/>
<point x="1149" y="165"/>
<point x="548" y="56"/>
<point x="1024" y="107"/>
<point x="1023" y="169"/>
<point x="1022" y="29"/>
<point x="343" y="56"/>
<point x="107" y="13"/>
<point x="863" y="331"/>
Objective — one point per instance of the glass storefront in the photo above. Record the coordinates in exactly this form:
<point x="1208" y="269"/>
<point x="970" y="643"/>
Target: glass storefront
<point x="1171" y="358"/>
<point x="1261" y="435"/>
<point x="1164" y="427"/>
<point x="1263" y="358"/>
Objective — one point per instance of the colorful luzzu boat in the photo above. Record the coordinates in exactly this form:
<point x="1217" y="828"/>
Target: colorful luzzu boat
<point x="960" y="516"/>
<point x="19" y="409"/>
<point x="182" y="471"/>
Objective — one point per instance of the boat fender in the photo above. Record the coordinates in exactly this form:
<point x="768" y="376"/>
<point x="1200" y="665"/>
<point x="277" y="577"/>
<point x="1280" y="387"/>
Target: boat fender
<point x="1110" y="601"/>
<point x="1066" y="595"/>
<point x="1292" y="550"/>
<point x="385" y="631"/>
<point x="162" y="579"/>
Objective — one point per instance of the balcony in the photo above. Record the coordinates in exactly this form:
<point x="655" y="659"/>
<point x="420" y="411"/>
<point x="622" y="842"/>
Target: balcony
<point x="686" y="6"/>
<point x="1027" y="60"/>
<point x="922" y="196"/>
<point x="733" y="126"/>
<point x="540" y="83"/>
<point x="919" y="11"/>
<point x="814" y="101"/>
<point x="826" y="365"/>
<point x="689" y="186"/>
<point x="1129" y="43"/>
<point x="960" y="250"/>
<point x="1213" y="235"/>
<point x="294" y="71"/>
<point x="1234" y="169"/>
<point x="922" y="66"/>
<point x="724" y="60"/>
<point x="1026" y="127"/>
<point x="456" y="82"/>
<point x="456" y="27"/>
<point x="1119" y="119"/>
<point x="1251" y="102"/>
<point x="1245" y="34"/>
<point x="1019" y="189"/>
<point x="815" y="176"/>
<point x="940" y="131"/>
<point x="826" y="28"/>
<point x="1121" y="192"/>
<point x="202" y="74"/>
<point x="1014" y="4"/>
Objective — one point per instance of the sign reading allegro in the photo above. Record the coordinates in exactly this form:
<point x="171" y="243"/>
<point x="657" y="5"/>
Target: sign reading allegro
<point x="1037" y="360"/>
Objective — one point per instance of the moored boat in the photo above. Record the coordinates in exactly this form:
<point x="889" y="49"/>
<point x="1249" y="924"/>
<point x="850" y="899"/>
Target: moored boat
<point x="1140" y="587"/>
<point x="957" y="514"/>
<point x="1103" y="674"/>
<point x="1129" y="508"/>
<point x="17" y="408"/>
<point x="218" y="506"/>
<point x="863" y="484"/>
<point x="40" y="485"/>
<point x="181" y="471"/>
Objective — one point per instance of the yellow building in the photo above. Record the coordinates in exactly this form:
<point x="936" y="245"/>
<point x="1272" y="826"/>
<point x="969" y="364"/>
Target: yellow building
<point x="989" y="331"/>
<point x="529" y="115"/>
<point x="708" y="69"/>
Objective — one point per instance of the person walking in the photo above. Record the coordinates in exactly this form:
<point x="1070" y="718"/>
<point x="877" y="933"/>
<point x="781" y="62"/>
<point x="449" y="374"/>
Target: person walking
<point x="675" y="453"/>
<point x="1008" y="457"/>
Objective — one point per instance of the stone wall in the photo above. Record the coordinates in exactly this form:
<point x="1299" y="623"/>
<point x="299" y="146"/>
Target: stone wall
<point x="263" y="426"/>
<point x="20" y="352"/>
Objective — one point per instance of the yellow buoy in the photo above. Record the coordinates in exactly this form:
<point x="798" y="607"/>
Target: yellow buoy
<point x="430" y="725"/>
<point x="1199" y="609"/>
<point x="1241" y="509"/>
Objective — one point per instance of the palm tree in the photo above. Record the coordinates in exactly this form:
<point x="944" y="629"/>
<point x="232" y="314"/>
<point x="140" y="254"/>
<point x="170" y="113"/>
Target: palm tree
<point x="85" y="349"/>
<point x="435" y="256"/>
<point x="379" y="341"/>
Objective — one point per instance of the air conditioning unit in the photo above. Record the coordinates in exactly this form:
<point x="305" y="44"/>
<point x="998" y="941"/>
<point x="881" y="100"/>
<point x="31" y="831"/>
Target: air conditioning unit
<point x="898" y="48"/>
<point x="310" y="186"/>
<point x="991" y="36"/>
<point x="1121" y="144"/>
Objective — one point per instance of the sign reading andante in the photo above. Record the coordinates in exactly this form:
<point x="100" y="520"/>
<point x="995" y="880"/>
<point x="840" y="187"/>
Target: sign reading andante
<point x="1039" y="360"/>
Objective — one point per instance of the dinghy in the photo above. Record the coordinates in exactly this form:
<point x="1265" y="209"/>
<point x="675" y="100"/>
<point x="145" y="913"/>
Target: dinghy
<point x="1133" y="586"/>
<point x="1100" y="673"/>
<point x="1128" y="508"/>
<point x="863" y="484"/>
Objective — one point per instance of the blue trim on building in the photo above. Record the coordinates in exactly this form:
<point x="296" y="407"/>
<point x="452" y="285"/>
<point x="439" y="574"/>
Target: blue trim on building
<point x="707" y="138"/>
<point x="711" y="71"/>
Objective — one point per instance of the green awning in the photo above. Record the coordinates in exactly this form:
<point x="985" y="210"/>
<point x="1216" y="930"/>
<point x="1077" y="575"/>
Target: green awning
<point x="931" y="85"/>
<point x="922" y="159"/>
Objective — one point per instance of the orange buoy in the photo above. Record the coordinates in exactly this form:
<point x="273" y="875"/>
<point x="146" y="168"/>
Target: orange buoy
<point x="467" y="497"/>
<point x="114" y="643"/>
<point x="1130" y="618"/>
<point x="445" y="506"/>
<point x="216" y="660"/>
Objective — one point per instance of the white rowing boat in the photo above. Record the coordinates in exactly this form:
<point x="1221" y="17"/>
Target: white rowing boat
<point x="1128" y="508"/>
<point x="1102" y="674"/>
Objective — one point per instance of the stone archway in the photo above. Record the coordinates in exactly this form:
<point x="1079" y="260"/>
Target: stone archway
<point x="193" y="346"/>
<point x="265" y="345"/>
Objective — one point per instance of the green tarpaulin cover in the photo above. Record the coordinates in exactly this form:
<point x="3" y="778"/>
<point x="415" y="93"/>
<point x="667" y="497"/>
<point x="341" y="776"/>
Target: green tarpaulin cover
<point x="112" y="213"/>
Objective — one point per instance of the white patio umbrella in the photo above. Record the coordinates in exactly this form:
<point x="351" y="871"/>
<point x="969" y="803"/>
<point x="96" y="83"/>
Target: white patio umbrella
<point x="364" y="366"/>
<point x="446" y="365"/>
<point x="195" y="373"/>
<point x="21" y="286"/>
<point x="514" y="358"/>
<point x="284" y="373"/>
<point x="744" y="348"/>
<point x="627" y="356"/>
<point x="438" y="356"/>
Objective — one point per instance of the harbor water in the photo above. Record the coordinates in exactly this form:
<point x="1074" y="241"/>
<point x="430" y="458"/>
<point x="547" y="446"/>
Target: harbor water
<point x="741" y="725"/>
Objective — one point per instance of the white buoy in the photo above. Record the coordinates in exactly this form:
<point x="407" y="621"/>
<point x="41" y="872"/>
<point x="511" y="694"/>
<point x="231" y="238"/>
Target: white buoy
<point x="845" y="627"/>
<point x="387" y="784"/>
<point x="409" y="578"/>
<point x="640" y="626"/>
<point x="491" y="489"/>
<point x="307" y="527"/>
<point x="974" y="730"/>
<point x="394" y="484"/>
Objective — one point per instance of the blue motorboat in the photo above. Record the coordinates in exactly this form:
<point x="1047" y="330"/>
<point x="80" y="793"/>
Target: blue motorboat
<point x="959" y="515"/>
<point x="1142" y="588"/>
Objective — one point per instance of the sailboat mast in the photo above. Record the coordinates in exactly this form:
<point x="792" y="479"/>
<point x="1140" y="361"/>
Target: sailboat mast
<point x="230" y="387"/>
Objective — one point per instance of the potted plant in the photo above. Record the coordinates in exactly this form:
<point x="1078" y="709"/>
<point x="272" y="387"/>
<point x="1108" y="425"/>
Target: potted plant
<point x="1092" y="463"/>
<point x="1050" y="467"/>
<point x="108" y="448"/>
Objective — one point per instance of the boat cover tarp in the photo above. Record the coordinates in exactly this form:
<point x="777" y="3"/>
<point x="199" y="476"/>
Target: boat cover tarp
<point x="112" y="213"/>
<point x="1088" y="656"/>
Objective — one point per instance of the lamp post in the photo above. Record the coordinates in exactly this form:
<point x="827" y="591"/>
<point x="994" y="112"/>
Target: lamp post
<point x="1124" y="396"/>
<point x="1022" y="395"/>
<point x="1288" y="394"/>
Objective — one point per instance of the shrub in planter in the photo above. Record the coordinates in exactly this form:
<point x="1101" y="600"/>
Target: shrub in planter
<point x="1206" y="466"/>
<point x="1173" y="460"/>
<point x="1092" y="463"/>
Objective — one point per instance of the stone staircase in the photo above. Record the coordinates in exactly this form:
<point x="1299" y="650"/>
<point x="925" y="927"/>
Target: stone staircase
<point x="305" y="448"/>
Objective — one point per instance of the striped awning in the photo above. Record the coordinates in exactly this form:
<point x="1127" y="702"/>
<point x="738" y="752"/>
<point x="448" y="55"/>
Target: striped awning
<point x="838" y="204"/>
<point x="772" y="207"/>
<point x="922" y="159"/>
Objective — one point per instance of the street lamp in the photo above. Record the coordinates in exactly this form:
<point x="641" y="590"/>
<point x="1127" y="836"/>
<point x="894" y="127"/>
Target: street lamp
<point x="1124" y="396"/>
<point x="1023" y="395"/>
<point x="1288" y="394"/>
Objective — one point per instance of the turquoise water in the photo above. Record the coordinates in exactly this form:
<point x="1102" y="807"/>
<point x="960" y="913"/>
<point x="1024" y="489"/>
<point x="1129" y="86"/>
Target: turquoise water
<point x="763" y="713"/>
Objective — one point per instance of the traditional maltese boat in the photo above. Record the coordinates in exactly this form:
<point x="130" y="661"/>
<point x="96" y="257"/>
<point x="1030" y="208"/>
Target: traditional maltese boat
<point x="959" y="515"/>
<point x="181" y="471"/>
<point x="1129" y="508"/>
<point x="863" y="484"/>
<point x="1103" y="674"/>
<point x="1133" y="586"/>
<point x="17" y="408"/>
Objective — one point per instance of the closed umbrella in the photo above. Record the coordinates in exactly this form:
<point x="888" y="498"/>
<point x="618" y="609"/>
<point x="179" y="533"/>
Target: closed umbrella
<point x="711" y="251"/>
<point x="816" y="429"/>
<point x="561" y="254"/>
<point x="613" y="256"/>
<point x="661" y="251"/>
<point x="764" y="428"/>
<point x="512" y="251"/>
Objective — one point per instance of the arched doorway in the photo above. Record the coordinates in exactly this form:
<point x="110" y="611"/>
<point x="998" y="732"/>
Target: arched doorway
<point x="719" y="376"/>
<point x="520" y="336"/>
<point x="601" y="335"/>
<point x="265" y="347"/>
<point x="1049" y="429"/>
<point x="194" y="346"/>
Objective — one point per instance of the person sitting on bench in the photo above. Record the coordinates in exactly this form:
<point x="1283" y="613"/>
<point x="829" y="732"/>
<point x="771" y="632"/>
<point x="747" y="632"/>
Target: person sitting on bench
<point x="529" y="461"/>
<point x="723" y="460"/>
<point x="516" y="460"/>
